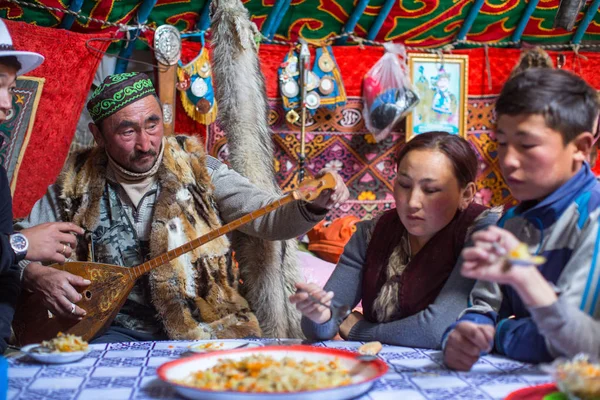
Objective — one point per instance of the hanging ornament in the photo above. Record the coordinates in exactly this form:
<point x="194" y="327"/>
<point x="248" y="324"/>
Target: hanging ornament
<point x="324" y="84"/>
<point x="196" y="90"/>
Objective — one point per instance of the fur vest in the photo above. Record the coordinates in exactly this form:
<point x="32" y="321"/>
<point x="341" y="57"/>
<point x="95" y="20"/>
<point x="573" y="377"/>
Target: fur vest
<point x="196" y="296"/>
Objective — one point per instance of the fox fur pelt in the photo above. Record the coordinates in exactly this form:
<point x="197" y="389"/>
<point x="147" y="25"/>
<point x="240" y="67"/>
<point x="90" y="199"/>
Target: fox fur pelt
<point x="268" y="269"/>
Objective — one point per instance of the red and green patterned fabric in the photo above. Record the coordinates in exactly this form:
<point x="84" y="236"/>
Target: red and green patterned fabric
<point x="426" y="23"/>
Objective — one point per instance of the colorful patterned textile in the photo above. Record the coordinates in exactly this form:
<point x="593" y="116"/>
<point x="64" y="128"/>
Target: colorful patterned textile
<point x="414" y="22"/>
<point x="118" y="91"/>
<point x="335" y="139"/>
<point x="68" y="72"/>
<point x="338" y="139"/>
<point x="16" y="131"/>
<point x="128" y="371"/>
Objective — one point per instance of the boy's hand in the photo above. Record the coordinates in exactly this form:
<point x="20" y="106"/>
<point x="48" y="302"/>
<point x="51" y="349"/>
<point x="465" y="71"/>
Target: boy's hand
<point x="465" y="343"/>
<point x="315" y="312"/>
<point x="486" y="261"/>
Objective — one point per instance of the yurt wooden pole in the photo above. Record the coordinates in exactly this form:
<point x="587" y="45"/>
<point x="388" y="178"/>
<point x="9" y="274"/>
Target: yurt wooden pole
<point x="464" y="30"/>
<point x="126" y="52"/>
<point x="586" y="21"/>
<point x="68" y="19"/>
<point x="204" y="20"/>
<point x="353" y="20"/>
<point x="279" y="18"/>
<point x="272" y="17"/>
<point x="516" y="37"/>
<point x="383" y="13"/>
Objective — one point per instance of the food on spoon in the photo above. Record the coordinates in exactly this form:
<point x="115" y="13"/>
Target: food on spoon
<point x="370" y="348"/>
<point x="520" y="255"/>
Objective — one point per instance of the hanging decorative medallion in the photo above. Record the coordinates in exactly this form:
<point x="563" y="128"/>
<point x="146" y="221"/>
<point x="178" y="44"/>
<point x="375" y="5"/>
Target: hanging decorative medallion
<point x="292" y="117"/>
<point x="196" y="90"/>
<point x="184" y="83"/>
<point x="292" y="66"/>
<point x="203" y="106"/>
<point x="167" y="44"/>
<point x="205" y="70"/>
<point x="327" y="85"/>
<point x="313" y="101"/>
<point x="324" y="83"/>
<point x="326" y="63"/>
<point x="313" y="81"/>
<point x="199" y="87"/>
<point x="290" y="88"/>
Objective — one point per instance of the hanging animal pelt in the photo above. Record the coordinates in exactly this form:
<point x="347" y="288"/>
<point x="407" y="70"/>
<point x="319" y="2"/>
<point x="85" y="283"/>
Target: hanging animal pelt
<point x="534" y="57"/>
<point x="268" y="269"/>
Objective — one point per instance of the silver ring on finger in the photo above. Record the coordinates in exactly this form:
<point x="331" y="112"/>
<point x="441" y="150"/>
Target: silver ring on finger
<point x="64" y="250"/>
<point x="72" y="308"/>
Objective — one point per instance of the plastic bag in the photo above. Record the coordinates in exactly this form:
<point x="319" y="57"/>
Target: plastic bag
<point x="388" y="95"/>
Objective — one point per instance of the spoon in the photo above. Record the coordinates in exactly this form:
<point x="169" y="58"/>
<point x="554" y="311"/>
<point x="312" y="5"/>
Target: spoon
<point x="367" y="353"/>
<point x="338" y="313"/>
<point x="40" y="349"/>
<point x="518" y="261"/>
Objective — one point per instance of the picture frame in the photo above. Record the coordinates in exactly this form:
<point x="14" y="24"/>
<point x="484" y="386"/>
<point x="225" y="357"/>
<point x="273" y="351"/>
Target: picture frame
<point x="441" y="83"/>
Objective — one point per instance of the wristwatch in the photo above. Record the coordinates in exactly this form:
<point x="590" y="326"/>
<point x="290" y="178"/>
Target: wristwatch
<point x="19" y="244"/>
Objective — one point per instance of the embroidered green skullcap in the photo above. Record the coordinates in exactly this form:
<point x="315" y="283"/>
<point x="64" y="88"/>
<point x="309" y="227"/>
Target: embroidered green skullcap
<point x="118" y="91"/>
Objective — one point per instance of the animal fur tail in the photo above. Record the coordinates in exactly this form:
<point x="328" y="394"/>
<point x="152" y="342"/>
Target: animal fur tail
<point x="532" y="58"/>
<point x="268" y="269"/>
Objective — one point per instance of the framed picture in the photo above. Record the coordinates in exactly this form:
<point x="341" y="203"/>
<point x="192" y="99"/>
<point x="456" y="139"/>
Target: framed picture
<point x="441" y="83"/>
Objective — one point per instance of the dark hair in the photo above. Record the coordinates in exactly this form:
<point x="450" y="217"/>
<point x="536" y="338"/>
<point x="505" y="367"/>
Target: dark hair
<point x="569" y="105"/>
<point x="458" y="150"/>
<point x="11" y="61"/>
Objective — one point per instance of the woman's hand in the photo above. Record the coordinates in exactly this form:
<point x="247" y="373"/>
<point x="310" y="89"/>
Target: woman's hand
<point x="349" y="323"/>
<point x="315" y="312"/>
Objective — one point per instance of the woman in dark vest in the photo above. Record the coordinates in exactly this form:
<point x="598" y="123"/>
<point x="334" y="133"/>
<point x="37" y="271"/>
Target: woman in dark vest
<point x="404" y="265"/>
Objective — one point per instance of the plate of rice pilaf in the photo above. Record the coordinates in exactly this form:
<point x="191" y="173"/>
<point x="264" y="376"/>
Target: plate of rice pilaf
<point x="273" y="372"/>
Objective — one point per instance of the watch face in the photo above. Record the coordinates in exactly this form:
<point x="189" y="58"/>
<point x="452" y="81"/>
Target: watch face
<point x="18" y="242"/>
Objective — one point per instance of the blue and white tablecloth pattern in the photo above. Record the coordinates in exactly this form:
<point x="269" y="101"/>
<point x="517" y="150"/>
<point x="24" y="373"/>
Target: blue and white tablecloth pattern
<point x="128" y="371"/>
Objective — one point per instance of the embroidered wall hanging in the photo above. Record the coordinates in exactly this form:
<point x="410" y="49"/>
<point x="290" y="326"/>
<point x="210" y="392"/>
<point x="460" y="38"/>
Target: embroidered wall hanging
<point x="325" y="87"/>
<point x="16" y="130"/>
<point x="194" y="82"/>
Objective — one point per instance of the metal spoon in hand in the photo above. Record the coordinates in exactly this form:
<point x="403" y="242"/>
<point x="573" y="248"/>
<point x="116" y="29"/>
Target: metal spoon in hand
<point x="338" y="313"/>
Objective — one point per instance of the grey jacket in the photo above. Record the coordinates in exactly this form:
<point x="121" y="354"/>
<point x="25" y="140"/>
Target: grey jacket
<point x="423" y="329"/>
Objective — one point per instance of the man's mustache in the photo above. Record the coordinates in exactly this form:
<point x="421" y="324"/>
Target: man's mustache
<point x="138" y="155"/>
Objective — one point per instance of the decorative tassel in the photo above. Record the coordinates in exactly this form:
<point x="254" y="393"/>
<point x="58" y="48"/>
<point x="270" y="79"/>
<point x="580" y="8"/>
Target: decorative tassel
<point x="196" y="90"/>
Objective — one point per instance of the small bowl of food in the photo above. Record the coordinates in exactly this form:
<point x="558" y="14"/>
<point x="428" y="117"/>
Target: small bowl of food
<point x="60" y="350"/>
<point x="578" y="378"/>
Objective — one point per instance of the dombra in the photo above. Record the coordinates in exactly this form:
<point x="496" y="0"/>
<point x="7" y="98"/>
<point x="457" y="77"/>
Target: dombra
<point x="111" y="284"/>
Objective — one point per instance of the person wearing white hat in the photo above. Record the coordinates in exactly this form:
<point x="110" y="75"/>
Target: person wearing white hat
<point x="12" y="63"/>
<point x="46" y="242"/>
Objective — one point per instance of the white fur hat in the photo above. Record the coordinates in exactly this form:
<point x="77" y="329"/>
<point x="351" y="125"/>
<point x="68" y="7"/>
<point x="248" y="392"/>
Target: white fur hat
<point x="28" y="59"/>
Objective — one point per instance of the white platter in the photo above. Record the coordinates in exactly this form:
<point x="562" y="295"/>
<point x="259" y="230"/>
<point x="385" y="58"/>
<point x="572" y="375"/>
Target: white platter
<point x="368" y="373"/>
<point x="53" y="358"/>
